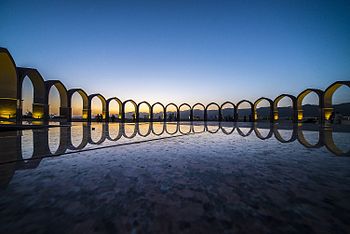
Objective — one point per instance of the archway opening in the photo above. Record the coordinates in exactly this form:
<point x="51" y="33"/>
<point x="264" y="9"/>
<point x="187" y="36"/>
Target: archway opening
<point x="144" y="112"/>
<point x="185" y="128"/>
<point x="341" y="105"/>
<point x="54" y="103"/>
<point x="244" y="112"/>
<point x="130" y="109"/>
<point x="114" y="110"/>
<point x="310" y="107"/>
<point x="77" y="106"/>
<point x="158" y="112"/>
<point x="284" y="109"/>
<point x="227" y="112"/>
<point x="171" y="128"/>
<point x="96" y="132"/>
<point x="27" y="99"/>
<point x="114" y="130"/>
<point x="54" y="139"/>
<point x="158" y="128"/>
<point x="96" y="108"/>
<point x="77" y="134"/>
<point x="171" y="112"/>
<point x="213" y="112"/>
<point x="263" y="110"/>
<point x="198" y="112"/>
<point x="144" y="128"/>
<point x="185" y="112"/>
<point x="27" y="144"/>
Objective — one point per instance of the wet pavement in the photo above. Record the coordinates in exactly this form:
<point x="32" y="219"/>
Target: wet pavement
<point x="175" y="178"/>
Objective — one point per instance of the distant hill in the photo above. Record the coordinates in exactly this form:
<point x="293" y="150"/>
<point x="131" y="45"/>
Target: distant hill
<point x="309" y="111"/>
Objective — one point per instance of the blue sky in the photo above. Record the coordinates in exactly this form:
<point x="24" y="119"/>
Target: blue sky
<point x="182" y="51"/>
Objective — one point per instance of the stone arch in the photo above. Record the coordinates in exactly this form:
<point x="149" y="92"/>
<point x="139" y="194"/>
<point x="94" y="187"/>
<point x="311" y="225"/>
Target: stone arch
<point x="189" y="107"/>
<point x="222" y="109"/>
<point x="256" y="103"/>
<point x="281" y="139"/>
<point x="302" y="140"/>
<point x="120" y="132"/>
<point x="209" y="130"/>
<point x="301" y="97"/>
<point x="9" y="102"/>
<point x="327" y="108"/>
<point x="185" y="133"/>
<point x="152" y="110"/>
<point x="149" y="110"/>
<point x="64" y="109"/>
<point x="206" y="110"/>
<point x="330" y="144"/>
<point x="260" y="136"/>
<point x="158" y="134"/>
<point x="177" y="111"/>
<point x="120" y="106"/>
<point x="38" y="83"/>
<point x="241" y="133"/>
<point x="103" y="135"/>
<point x="124" y="109"/>
<point x="85" y="98"/>
<point x="134" y="132"/>
<point x="84" y="140"/>
<point x="104" y="104"/>
<point x="192" y="111"/>
<point x="148" y="131"/>
<point x="172" y="133"/>
<point x="251" y="110"/>
<point x="294" y="106"/>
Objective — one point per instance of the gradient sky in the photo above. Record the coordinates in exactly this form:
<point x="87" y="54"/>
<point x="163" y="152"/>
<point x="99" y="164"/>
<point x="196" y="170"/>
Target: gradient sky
<point x="182" y="51"/>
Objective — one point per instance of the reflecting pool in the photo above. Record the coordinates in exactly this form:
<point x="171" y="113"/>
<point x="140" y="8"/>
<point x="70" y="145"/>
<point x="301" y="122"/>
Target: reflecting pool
<point x="176" y="178"/>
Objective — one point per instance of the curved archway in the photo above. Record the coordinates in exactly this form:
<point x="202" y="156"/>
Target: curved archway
<point x="260" y="135"/>
<point x="113" y="116"/>
<point x="130" y="128"/>
<point x="143" y="126"/>
<point x="331" y="145"/>
<point x="85" y="99"/>
<point x="9" y="101"/>
<point x="247" y="114"/>
<point x="195" y="113"/>
<point x="279" y="137"/>
<point x="185" y="115"/>
<point x="209" y="116"/>
<point x="245" y="134"/>
<point x="119" y="126"/>
<point x="37" y="81"/>
<point x="184" y="126"/>
<point x="146" y="116"/>
<point x="302" y="139"/>
<point x="293" y="99"/>
<point x="103" y="102"/>
<point x="102" y="138"/>
<point x="225" y="112"/>
<point x="160" y="125"/>
<point x="86" y="134"/>
<point x="156" y="115"/>
<point x="172" y="124"/>
<point x="209" y="128"/>
<point x="171" y="116"/>
<point x="327" y="109"/>
<point x="302" y="96"/>
<point x="126" y="115"/>
<point x="63" y="109"/>
<point x="256" y="110"/>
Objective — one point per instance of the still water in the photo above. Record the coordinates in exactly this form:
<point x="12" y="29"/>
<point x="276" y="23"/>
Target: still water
<point x="175" y="178"/>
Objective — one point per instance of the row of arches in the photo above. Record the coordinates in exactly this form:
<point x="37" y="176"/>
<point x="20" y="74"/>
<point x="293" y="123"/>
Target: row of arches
<point x="11" y="96"/>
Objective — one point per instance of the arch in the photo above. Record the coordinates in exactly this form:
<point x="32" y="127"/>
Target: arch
<point x="251" y="110"/>
<point x="166" y="117"/>
<point x="103" y="135"/>
<point x="139" y="112"/>
<point x="330" y="144"/>
<point x="84" y="140"/>
<point x="241" y="133"/>
<point x="327" y="108"/>
<point x="152" y="110"/>
<point x="38" y="83"/>
<point x="280" y="138"/>
<point x="120" y="132"/>
<point x="294" y="107"/>
<point x="223" y="128"/>
<point x="256" y="103"/>
<point x="176" y="129"/>
<point x="189" y="107"/>
<point x="206" y="111"/>
<point x="301" y="97"/>
<point x="64" y="109"/>
<point x="259" y="135"/>
<point x="161" y="133"/>
<point x="222" y="110"/>
<point x="9" y="101"/>
<point x="85" y="98"/>
<point x="302" y="140"/>
<point x="148" y="131"/>
<point x="124" y="109"/>
<point x="192" y="117"/>
<point x="210" y="131"/>
<point x="120" y="106"/>
<point x="185" y="133"/>
<point x="134" y="133"/>
<point x="104" y="104"/>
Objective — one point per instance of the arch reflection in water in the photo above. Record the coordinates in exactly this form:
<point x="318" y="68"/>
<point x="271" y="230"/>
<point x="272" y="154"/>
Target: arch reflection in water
<point x="114" y="134"/>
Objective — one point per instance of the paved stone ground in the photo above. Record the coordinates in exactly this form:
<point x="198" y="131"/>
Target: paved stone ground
<point x="204" y="183"/>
